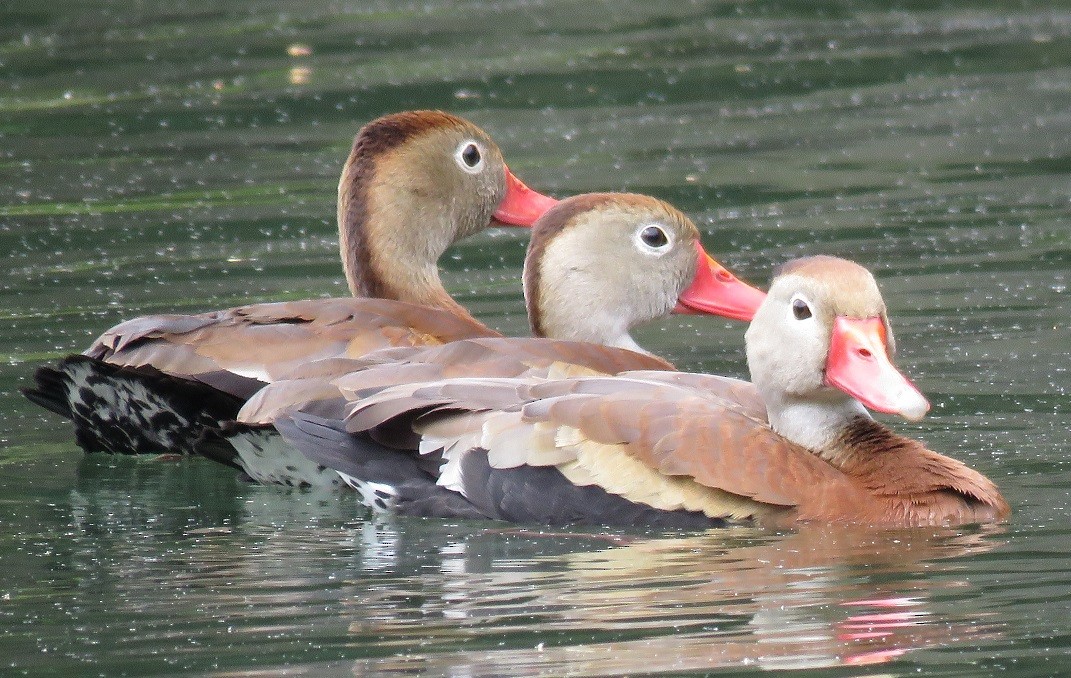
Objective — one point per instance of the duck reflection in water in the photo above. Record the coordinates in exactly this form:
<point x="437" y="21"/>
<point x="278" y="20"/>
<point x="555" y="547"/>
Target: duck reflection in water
<point x="822" y="597"/>
<point x="571" y="602"/>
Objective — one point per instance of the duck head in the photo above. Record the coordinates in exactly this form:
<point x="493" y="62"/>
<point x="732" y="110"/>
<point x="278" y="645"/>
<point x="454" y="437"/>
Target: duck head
<point x="599" y="264"/>
<point x="820" y="347"/>
<point x="415" y="183"/>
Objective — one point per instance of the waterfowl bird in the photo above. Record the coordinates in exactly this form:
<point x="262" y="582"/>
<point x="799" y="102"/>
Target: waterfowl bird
<point x="415" y="182"/>
<point x="657" y="448"/>
<point x="597" y="266"/>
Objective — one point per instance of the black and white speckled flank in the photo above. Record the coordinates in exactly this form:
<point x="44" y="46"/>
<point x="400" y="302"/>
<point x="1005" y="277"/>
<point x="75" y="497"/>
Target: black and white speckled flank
<point x="124" y="410"/>
<point x="386" y="480"/>
<point x="270" y="460"/>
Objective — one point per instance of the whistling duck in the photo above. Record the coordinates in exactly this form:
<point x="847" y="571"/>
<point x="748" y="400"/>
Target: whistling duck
<point x="597" y="266"/>
<point x="414" y="183"/>
<point x="660" y="448"/>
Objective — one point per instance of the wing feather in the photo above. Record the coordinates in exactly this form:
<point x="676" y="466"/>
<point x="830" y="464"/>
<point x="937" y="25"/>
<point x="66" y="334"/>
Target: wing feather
<point x="682" y="431"/>
<point x="673" y="430"/>
<point x="262" y="343"/>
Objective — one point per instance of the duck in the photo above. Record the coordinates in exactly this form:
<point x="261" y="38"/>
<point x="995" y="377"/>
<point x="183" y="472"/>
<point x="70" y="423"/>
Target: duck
<point x="659" y="449"/>
<point x="414" y="183"/>
<point x="597" y="266"/>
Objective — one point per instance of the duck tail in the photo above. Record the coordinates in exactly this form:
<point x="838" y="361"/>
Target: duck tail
<point x="129" y="410"/>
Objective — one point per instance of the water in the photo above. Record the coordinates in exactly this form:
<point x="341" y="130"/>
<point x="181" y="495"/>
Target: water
<point x="183" y="156"/>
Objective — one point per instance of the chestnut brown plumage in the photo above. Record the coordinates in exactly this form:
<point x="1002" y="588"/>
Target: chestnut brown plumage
<point x="597" y="266"/>
<point x="691" y="449"/>
<point x="587" y="276"/>
<point x="407" y="192"/>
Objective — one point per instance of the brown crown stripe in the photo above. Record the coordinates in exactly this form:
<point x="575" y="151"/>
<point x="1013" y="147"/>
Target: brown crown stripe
<point x="375" y="139"/>
<point x="835" y="272"/>
<point x="553" y="223"/>
<point x="813" y="265"/>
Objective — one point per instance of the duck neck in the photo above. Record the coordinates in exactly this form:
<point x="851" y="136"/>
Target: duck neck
<point x="816" y="424"/>
<point x="551" y="318"/>
<point x="382" y="253"/>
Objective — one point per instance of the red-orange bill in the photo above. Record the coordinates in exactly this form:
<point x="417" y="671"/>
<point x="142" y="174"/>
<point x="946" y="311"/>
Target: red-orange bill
<point x="521" y="206"/>
<point x="859" y="364"/>
<point x="716" y="291"/>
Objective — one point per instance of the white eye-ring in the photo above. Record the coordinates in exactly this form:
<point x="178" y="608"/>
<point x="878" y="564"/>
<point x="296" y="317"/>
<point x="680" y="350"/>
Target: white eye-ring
<point x="653" y="239"/>
<point x="469" y="156"/>
<point x="801" y="307"/>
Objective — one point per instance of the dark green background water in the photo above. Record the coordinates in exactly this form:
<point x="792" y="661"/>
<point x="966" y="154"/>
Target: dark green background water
<point x="184" y="155"/>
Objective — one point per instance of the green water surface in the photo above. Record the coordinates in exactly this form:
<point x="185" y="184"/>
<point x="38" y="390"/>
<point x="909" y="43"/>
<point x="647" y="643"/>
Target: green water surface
<point x="183" y="156"/>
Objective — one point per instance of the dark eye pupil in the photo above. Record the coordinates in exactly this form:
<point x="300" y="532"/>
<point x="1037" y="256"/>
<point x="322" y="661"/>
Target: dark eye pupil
<point x="800" y="309"/>
<point x="471" y="155"/>
<point x="653" y="236"/>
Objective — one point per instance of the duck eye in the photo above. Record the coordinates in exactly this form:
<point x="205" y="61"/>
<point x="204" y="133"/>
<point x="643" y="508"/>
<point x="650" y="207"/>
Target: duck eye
<point x="470" y="155"/>
<point x="800" y="309"/>
<point x="653" y="236"/>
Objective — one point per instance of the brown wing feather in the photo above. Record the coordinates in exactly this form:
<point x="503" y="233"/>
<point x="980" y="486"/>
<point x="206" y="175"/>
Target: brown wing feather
<point x="742" y="395"/>
<point x="673" y="429"/>
<point x="266" y="342"/>
<point x="384" y="375"/>
<point x="515" y="438"/>
<point x="276" y="399"/>
<point x="685" y="433"/>
<point x="681" y="431"/>
<point x="409" y="401"/>
<point x="319" y="376"/>
<point x="674" y="444"/>
<point x="511" y="357"/>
